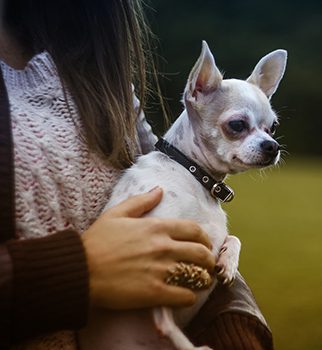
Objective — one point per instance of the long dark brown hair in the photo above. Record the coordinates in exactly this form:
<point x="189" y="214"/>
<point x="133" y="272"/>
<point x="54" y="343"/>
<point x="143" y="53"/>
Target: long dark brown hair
<point x="99" y="47"/>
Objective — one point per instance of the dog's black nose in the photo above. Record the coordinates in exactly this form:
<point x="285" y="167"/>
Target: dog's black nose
<point x="270" y="148"/>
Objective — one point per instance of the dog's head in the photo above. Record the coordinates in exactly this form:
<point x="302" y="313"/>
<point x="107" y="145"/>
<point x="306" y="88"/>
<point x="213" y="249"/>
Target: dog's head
<point x="233" y="121"/>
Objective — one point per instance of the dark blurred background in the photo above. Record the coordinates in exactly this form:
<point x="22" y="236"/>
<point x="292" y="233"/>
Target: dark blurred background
<point x="239" y="33"/>
<point x="276" y="213"/>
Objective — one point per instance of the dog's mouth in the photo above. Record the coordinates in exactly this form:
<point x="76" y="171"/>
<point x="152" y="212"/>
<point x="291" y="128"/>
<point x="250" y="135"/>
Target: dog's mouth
<point x="256" y="164"/>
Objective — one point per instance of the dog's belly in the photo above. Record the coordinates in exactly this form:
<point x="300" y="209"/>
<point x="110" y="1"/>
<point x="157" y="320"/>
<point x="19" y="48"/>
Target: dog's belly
<point x="122" y="330"/>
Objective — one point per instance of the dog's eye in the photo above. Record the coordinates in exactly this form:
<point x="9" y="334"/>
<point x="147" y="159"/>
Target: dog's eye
<point x="273" y="128"/>
<point x="238" y="125"/>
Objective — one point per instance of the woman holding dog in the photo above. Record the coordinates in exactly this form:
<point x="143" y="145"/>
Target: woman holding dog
<point x="69" y="126"/>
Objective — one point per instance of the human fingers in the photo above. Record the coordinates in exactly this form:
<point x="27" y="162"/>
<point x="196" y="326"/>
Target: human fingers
<point x="187" y="230"/>
<point x="137" y="205"/>
<point x="195" y="253"/>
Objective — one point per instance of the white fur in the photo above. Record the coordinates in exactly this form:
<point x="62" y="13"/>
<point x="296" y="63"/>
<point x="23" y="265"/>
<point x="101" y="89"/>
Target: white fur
<point x="202" y="132"/>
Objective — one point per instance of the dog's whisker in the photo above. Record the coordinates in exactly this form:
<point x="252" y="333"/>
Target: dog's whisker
<point x="279" y="137"/>
<point x="284" y="152"/>
<point x="283" y="109"/>
<point x="262" y="174"/>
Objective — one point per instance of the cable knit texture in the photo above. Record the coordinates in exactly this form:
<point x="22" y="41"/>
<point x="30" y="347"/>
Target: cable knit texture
<point x="59" y="184"/>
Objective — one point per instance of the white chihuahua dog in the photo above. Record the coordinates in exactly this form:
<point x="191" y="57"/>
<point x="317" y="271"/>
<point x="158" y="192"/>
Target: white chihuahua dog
<point x="227" y="127"/>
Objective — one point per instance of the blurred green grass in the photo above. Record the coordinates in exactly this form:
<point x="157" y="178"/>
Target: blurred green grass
<point x="277" y="214"/>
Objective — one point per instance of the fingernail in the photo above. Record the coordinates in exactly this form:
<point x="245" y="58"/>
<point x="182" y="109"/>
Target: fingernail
<point x="154" y="189"/>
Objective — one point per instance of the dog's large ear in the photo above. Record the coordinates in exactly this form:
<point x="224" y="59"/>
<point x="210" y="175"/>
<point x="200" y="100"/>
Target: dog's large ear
<point x="204" y="78"/>
<point x="269" y="71"/>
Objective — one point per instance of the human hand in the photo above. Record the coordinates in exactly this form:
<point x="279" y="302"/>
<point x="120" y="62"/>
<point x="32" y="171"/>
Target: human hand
<point x="129" y="256"/>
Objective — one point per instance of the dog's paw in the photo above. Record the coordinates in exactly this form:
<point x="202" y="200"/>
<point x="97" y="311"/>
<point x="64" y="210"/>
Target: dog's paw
<point x="226" y="267"/>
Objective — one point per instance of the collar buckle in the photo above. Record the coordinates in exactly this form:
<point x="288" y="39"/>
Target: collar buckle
<point x="223" y="192"/>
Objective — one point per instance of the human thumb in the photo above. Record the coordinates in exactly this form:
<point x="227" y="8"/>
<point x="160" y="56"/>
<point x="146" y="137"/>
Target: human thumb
<point x="138" y="205"/>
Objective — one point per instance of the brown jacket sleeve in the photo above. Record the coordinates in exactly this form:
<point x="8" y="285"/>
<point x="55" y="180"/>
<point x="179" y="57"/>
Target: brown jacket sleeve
<point x="5" y="295"/>
<point x="231" y="320"/>
<point x="43" y="286"/>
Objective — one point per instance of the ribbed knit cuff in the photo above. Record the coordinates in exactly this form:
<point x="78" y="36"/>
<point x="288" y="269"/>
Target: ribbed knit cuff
<point x="231" y="320"/>
<point x="50" y="285"/>
<point x="235" y="331"/>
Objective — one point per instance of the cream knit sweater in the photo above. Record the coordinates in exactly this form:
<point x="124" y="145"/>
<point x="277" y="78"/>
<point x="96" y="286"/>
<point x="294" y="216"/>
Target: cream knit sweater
<point x="59" y="183"/>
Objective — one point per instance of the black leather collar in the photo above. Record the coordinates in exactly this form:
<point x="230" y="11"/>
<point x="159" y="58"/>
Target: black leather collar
<point x="217" y="189"/>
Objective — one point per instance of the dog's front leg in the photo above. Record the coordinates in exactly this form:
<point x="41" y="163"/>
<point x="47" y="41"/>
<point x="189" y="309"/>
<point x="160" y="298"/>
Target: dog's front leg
<point x="164" y="321"/>
<point x="227" y="263"/>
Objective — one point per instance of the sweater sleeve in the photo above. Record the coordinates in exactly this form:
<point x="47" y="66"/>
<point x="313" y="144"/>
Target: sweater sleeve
<point x="49" y="289"/>
<point x="147" y="139"/>
<point x="146" y="136"/>
<point x="231" y="320"/>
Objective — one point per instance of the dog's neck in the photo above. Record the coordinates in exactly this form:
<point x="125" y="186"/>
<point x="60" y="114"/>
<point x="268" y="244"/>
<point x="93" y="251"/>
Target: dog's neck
<point x="182" y="136"/>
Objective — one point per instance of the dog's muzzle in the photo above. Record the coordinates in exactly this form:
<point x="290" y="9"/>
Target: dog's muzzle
<point x="189" y="276"/>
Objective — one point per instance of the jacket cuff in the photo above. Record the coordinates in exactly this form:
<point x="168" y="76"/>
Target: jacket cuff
<point x="5" y="295"/>
<point x="235" y="331"/>
<point x="231" y="320"/>
<point x="50" y="284"/>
